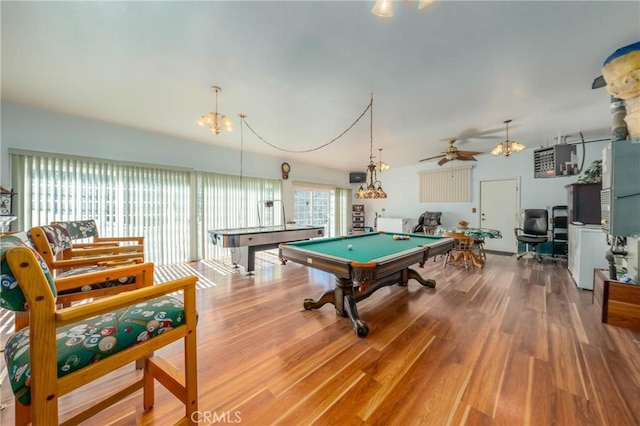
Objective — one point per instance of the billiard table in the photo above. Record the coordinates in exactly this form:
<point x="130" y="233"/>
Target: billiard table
<point x="362" y="264"/>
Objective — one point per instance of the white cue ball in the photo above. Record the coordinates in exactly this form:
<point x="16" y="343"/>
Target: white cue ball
<point x="350" y="246"/>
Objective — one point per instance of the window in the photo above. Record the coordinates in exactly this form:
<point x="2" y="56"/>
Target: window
<point x="328" y="207"/>
<point x="172" y="208"/>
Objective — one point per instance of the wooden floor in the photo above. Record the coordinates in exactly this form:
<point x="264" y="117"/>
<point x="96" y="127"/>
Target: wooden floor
<point x="514" y="344"/>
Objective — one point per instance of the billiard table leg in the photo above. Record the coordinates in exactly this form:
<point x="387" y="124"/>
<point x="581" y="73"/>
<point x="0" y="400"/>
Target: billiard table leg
<point x="410" y="273"/>
<point x="360" y="327"/>
<point x="343" y="286"/>
<point x="327" y="297"/>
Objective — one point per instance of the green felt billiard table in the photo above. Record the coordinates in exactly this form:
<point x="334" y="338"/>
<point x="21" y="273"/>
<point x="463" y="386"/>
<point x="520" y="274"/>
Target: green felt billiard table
<point x="362" y="264"/>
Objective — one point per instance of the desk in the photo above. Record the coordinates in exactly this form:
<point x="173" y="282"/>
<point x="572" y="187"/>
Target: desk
<point x="247" y="241"/>
<point x="478" y="234"/>
<point x="375" y="260"/>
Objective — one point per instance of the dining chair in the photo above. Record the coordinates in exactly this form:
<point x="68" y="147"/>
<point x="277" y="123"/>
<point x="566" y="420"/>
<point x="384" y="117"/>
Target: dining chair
<point x="462" y="252"/>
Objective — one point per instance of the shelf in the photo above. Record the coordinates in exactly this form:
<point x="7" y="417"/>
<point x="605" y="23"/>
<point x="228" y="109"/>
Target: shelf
<point x="559" y="231"/>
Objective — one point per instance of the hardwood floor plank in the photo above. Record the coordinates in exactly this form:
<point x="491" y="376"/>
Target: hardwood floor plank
<point x="610" y="404"/>
<point x="565" y="362"/>
<point x="484" y="388"/>
<point x="531" y="334"/>
<point x="515" y="404"/>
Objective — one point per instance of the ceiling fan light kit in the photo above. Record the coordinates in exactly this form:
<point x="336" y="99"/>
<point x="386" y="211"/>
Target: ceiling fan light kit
<point x="214" y="120"/>
<point x="453" y="153"/>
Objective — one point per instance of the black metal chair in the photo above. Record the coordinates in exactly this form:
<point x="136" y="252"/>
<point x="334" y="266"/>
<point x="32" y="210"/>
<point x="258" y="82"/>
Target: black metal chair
<point x="534" y="230"/>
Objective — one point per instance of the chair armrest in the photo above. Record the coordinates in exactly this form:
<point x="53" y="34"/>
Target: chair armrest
<point x="137" y="240"/>
<point x="94" y="245"/>
<point x="515" y="231"/>
<point x="87" y="261"/>
<point x="143" y="270"/>
<point x="122" y="262"/>
<point x="111" y="303"/>
<point x="103" y="250"/>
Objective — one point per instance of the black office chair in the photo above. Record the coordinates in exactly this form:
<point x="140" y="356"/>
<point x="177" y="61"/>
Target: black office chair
<point x="534" y="230"/>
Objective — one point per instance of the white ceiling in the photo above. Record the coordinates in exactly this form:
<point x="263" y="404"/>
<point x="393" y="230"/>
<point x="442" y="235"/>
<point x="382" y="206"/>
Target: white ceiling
<point x="304" y="71"/>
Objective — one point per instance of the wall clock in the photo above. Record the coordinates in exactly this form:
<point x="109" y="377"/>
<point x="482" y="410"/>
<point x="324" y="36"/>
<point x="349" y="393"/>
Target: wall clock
<point x="286" y="168"/>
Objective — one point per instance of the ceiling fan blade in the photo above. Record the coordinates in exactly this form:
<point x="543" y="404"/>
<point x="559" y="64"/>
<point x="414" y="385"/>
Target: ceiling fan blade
<point x="466" y="158"/>
<point x="432" y="158"/>
<point x="474" y="133"/>
<point x="441" y="162"/>
<point x="470" y="152"/>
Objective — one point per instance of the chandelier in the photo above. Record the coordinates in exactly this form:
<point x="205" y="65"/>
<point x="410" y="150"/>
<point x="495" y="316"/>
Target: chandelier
<point x="214" y="120"/>
<point x="381" y="164"/>
<point x="374" y="187"/>
<point x="507" y="147"/>
<point x="384" y="8"/>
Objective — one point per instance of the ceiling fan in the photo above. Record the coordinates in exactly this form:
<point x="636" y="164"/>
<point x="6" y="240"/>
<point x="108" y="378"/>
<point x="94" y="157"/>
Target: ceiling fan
<point x="453" y="153"/>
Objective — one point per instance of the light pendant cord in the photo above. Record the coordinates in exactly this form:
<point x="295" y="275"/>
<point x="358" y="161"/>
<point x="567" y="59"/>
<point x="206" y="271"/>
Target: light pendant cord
<point x="318" y="147"/>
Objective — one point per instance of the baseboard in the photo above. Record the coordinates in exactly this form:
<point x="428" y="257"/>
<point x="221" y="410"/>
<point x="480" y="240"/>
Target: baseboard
<point x="500" y="253"/>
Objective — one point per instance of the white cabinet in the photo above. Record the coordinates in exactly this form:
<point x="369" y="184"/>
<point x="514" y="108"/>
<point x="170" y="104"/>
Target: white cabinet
<point x="393" y="224"/>
<point x="587" y="250"/>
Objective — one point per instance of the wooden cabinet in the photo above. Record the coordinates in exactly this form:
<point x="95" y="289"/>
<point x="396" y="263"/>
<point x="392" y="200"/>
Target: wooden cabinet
<point x="619" y="302"/>
<point x="583" y="203"/>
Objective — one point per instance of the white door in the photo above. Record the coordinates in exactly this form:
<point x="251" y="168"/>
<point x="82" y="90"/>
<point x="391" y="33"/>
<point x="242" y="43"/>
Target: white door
<point x="499" y="210"/>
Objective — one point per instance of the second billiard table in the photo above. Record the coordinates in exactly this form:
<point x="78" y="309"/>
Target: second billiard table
<point x="364" y="263"/>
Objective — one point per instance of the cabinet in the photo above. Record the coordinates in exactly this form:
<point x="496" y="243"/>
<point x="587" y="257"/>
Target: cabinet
<point x="587" y="250"/>
<point x="583" y="203"/>
<point x="559" y="231"/>
<point x="619" y="302"/>
<point x="357" y="218"/>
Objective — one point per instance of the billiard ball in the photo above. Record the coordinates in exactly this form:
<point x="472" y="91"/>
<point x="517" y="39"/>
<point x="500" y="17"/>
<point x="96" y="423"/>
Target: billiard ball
<point x="350" y="246"/>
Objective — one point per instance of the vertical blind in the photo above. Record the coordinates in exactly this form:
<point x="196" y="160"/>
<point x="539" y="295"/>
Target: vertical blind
<point x="172" y="208"/>
<point x="227" y="202"/>
<point x="451" y="185"/>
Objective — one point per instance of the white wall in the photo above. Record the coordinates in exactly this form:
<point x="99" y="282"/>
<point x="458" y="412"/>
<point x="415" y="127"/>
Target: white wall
<point x="38" y="130"/>
<point x="401" y="185"/>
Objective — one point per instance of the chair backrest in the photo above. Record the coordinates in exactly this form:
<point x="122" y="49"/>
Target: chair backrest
<point x="50" y="241"/>
<point x="79" y="229"/>
<point x="463" y="242"/>
<point x="11" y="295"/>
<point x="428" y="220"/>
<point x="536" y="222"/>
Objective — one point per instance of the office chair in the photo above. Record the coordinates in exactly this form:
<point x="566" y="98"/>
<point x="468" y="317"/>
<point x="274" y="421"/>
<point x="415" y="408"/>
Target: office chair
<point x="534" y="230"/>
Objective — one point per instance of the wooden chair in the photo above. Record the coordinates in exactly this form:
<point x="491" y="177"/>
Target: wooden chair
<point x="64" y="349"/>
<point x="84" y="283"/>
<point x="53" y="243"/>
<point x="85" y="229"/>
<point x="462" y="252"/>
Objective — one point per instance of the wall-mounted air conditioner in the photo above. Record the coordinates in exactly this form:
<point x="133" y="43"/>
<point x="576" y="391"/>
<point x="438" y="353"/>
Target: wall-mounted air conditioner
<point x="554" y="161"/>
